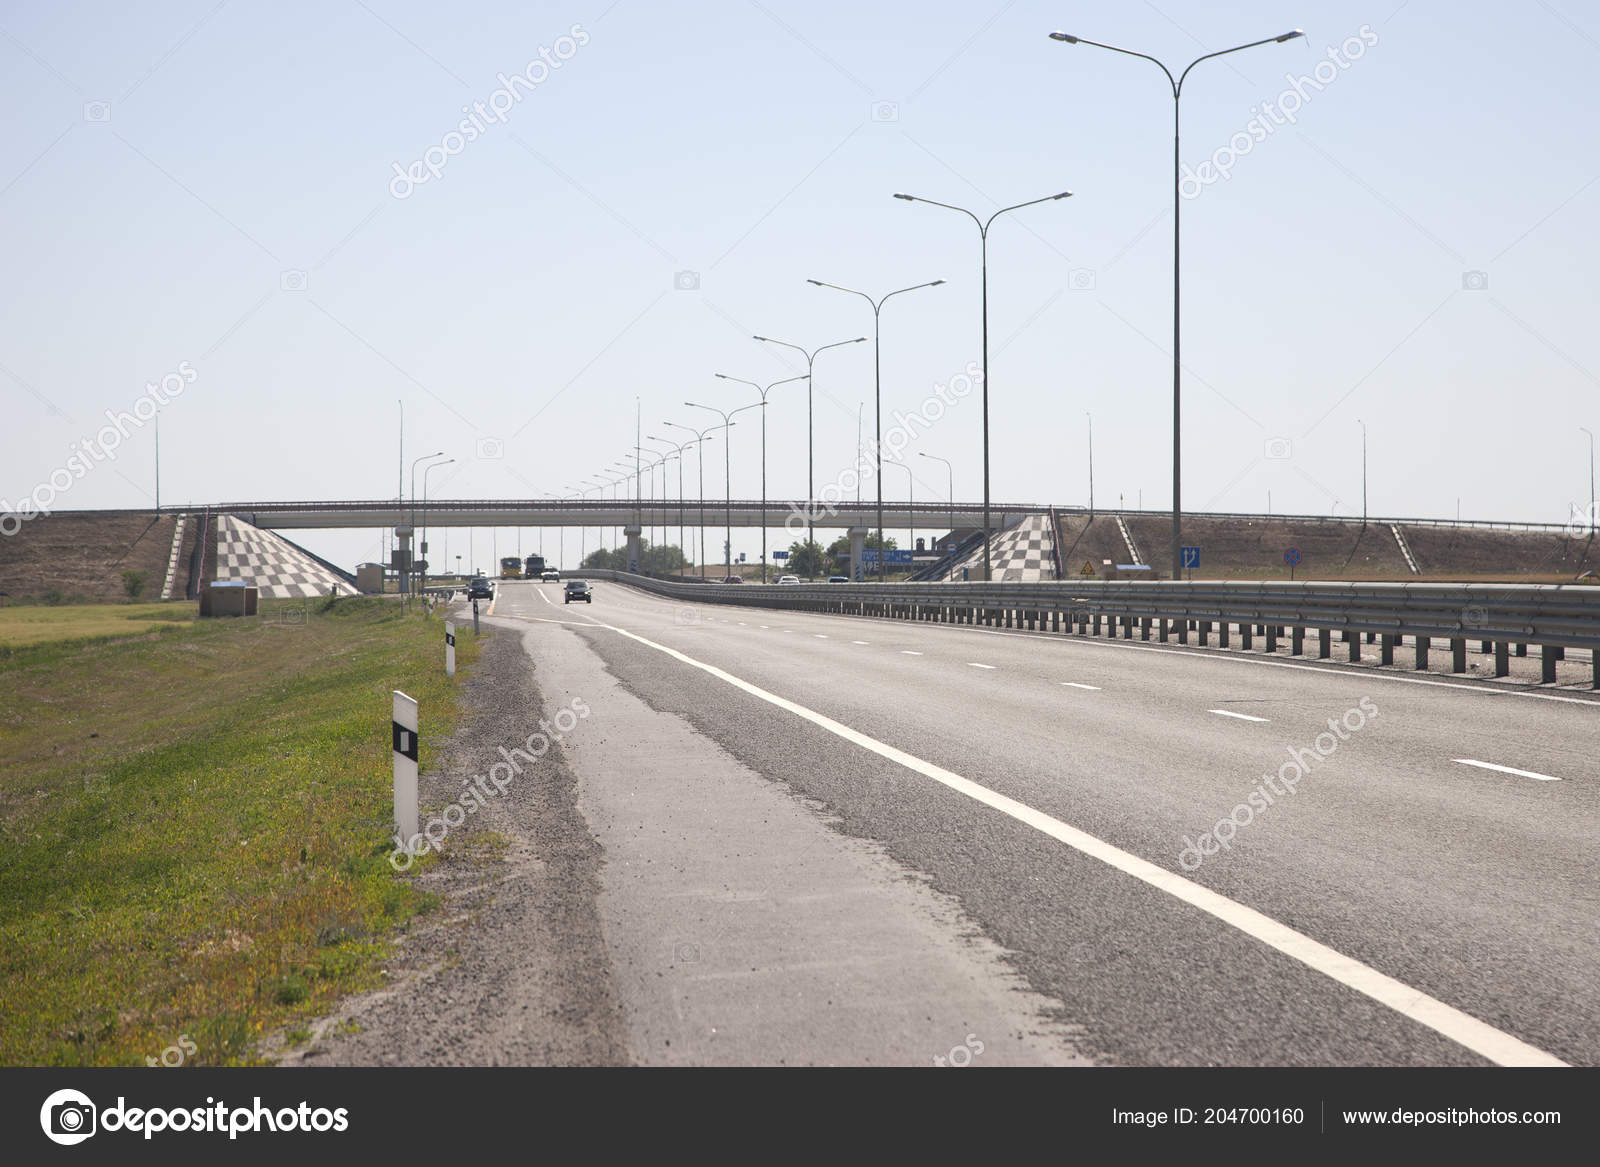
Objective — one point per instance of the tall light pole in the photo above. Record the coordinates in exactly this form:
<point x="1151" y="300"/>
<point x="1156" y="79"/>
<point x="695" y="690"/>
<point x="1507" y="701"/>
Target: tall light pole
<point x="1090" y="416"/>
<point x="727" y="416"/>
<point x="427" y="470"/>
<point x="424" y="458"/>
<point x="877" y="389"/>
<point x="754" y="385"/>
<point x="983" y="236"/>
<point x="1363" y="426"/>
<point x="1594" y="513"/>
<point x="950" y="475"/>
<point x="680" y="447"/>
<point x="700" y="464"/>
<point x="911" y="518"/>
<point x="811" y="360"/>
<point x="1177" y="202"/>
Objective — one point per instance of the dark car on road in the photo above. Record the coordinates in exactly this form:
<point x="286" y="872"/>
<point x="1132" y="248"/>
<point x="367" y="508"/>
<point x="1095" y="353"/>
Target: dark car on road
<point x="480" y="588"/>
<point x="578" y="589"/>
<point x="838" y="579"/>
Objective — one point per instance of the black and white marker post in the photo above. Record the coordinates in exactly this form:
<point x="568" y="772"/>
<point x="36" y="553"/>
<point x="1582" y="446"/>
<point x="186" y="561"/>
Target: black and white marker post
<point x="449" y="649"/>
<point x="405" y="771"/>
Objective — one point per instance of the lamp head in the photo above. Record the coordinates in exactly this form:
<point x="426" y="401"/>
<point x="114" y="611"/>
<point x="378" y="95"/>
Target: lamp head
<point x="1290" y="35"/>
<point x="1065" y="38"/>
<point x="908" y="198"/>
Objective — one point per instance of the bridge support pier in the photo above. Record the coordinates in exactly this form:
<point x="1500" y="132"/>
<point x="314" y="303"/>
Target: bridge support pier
<point x="858" y="545"/>
<point x="635" y="549"/>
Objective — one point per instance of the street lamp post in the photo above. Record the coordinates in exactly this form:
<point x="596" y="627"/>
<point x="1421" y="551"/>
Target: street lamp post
<point x="950" y="475"/>
<point x="436" y="454"/>
<point x="983" y="234"/>
<point x="811" y="485"/>
<point x="727" y="416"/>
<point x="1363" y="426"/>
<point x="754" y="385"/>
<point x="911" y="518"/>
<point x="700" y="466"/>
<point x="1177" y="202"/>
<point x="680" y="447"/>
<point x="877" y="389"/>
<point x="1594" y="512"/>
<point x="427" y="470"/>
<point x="1090" y="416"/>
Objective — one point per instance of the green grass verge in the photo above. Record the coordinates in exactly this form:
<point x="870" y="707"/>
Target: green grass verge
<point x="194" y="828"/>
<point x="26" y="626"/>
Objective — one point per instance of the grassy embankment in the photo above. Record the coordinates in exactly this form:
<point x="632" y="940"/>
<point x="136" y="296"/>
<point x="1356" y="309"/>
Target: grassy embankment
<point x="194" y="821"/>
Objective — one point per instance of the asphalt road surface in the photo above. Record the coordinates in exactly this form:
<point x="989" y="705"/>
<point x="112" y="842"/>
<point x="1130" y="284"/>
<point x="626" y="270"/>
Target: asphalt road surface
<point x="842" y="840"/>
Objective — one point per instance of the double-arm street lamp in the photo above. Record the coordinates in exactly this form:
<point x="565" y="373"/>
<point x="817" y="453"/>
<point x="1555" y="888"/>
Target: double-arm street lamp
<point x="700" y="438"/>
<point x="406" y="586"/>
<point x="423" y="561"/>
<point x="757" y="387"/>
<point x="811" y="360"/>
<point x="727" y="416"/>
<point x="983" y="235"/>
<point x="877" y="392"/>
<point x="1177" y="202"/>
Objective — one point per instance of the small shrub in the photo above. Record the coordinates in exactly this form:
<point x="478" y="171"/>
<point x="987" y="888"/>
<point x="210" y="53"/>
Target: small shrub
<point x="133" y="584"/>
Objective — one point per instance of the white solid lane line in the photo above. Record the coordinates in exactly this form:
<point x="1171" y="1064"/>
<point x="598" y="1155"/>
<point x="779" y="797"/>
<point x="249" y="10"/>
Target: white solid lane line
<point x="1076" y="685"/>
<point x="976" y="665"/>
<point x="1508" y="770"/>
<point x="1240" y="716"/>
<point x="1481" y="1038"/>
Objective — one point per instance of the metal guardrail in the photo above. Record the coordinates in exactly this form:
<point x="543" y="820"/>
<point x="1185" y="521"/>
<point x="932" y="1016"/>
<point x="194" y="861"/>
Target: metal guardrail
<point x="1553" y="616"/>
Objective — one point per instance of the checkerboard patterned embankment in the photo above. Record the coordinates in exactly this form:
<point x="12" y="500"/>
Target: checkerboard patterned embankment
<point x="277" y="568"/>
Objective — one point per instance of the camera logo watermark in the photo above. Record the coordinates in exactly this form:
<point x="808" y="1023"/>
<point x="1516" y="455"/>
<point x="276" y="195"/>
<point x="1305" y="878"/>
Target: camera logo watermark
<point x="1584" y="521"/>
<point x="68" y="1117"/>
<point x="960" y="1056"/>
<point x="1277" y="449"/>
<point x="101" y="448"/>
<point x="686" y="281"/>
<point x="1220" y="837"/>
<point x="1269" y="115"/>
<point x="885" y="111"/>
<point x="481" y="115"/>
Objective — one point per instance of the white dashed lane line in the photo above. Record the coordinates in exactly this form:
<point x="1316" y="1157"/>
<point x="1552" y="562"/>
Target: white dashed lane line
<point x="858" y="642"/>
<point x="1508" y="770"/>
<point x="974" y="664"/>
<point x="908" y="652"/>
<point x="1076" y="685"/>
<point x="1240" y="716"/>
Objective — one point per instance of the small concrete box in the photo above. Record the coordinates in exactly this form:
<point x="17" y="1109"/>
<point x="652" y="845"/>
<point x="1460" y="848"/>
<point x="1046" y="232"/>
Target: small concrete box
<point x="228" y="598"/>
<point x="369" y="578"/>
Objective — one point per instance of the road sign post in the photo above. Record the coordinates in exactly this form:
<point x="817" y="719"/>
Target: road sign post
<point x="1191" y="559"/>
<point x="404" y="740"/>
<point x="1292" y="557"/>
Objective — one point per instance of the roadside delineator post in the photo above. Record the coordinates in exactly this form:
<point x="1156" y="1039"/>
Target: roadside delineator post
<point x="474" y="617"/>
<point x="405" y="771"/>
<point x="449" y="649"/>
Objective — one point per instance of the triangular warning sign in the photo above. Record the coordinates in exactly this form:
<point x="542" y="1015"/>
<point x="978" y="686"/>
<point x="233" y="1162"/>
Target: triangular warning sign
<point x="1088" y="568"/>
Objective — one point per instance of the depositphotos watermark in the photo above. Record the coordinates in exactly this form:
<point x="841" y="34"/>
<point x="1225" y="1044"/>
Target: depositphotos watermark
<point x="1269" y="115"/>
<point x="482" y="114"/>
<point x="476" y="791"/>
<point x="71" y="1116"/>
<point x="1220" y="837"/>
<point x="894" y="442"/>
<point x="100" y="448"/>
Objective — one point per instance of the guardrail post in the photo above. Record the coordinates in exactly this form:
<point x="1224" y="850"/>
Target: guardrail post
<point x="1144" y="628"/>
<point x="1458" y="654"/>
<point x="1271" y="631"/>
<point x="1246" y="632"/>
<point x="1594" y="663"/>
<point x="1355" y="648"/>
<point x="1324" y="643"/>
<point x="1547" y="663"/>
<point x="1183" y="630"/>
<point x="1127" y="628"/>
<point x="1163" y="627"/>
<point x="1485" y="647"/>
<point x="1371" y="636"/>
<point x="1502" y="658"/>
<point x="1222" y="634"/>
<point x="1205" y="632"/>
<point x="1422" y="653"/>
<point x="1386" y="651"/>
<point x="1522" y="649"/>
<point x="1297" y="642"/>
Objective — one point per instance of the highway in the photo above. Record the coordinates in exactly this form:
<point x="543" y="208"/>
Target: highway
<point x="953" y="831"/>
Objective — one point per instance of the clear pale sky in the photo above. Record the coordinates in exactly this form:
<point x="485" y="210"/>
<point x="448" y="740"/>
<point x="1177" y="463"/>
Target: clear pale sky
<point x="211" y="183"/>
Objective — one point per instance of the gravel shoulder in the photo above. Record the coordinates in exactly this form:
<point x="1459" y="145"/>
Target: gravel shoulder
<point x="512" y="968"/>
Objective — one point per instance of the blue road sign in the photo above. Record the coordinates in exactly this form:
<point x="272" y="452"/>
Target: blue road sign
<point x="1292" y="556"/>
<point x="780" y="555"/>
<point x="870" y="555"/>
<point x="1191" y="556"/>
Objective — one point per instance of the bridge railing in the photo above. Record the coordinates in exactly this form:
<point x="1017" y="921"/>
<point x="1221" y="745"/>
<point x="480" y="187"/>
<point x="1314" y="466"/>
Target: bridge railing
<point x="1554" y="616"/>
